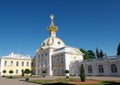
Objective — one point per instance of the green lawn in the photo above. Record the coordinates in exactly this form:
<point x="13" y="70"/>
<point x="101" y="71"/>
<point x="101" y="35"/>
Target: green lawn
<point x="64" y="81"/>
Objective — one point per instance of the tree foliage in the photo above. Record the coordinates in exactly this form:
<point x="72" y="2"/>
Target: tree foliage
<point x="99" y="54"/>
<point x="4" y="71"/>
<point x="27" y="71"/>
<point x="82" y="73"/>
<point x="11" y="71"/>
<point x="91" y="54"/>
<point x="22" y="73"/>
<point x="118" y="49"/>
<point x="44" y="71"/>
<point x="85" y="56"/>
<point x="66" y="71"/>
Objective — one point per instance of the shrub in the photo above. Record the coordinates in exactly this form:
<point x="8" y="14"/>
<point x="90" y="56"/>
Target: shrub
<point x="67" y="76"/>
<point x="26" y="79"/>
<point x="67" y="73"/>
<point x="4" y="71"/>
<point x="82" y="73"/>
<point x="44" y="72"/>
<point x="27" y="71"/>
<point x="10" y="77"/>
<point x="3" y="75"/>
<point x="11" y="72"/>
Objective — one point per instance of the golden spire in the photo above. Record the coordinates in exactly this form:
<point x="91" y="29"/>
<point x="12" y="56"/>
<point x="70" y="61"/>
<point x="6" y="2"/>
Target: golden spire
<point x="52" y="28"/>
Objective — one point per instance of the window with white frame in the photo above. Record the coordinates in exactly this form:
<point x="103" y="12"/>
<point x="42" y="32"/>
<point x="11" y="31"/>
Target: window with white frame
<point x="22" y="63"/>
<point x="16" y="71"/>
<point x="113" y="68"/>
<point x="5" y="63"/>
<point x="89" y="69"/>
<point x="11" y="63"/>
<point x="17" y="63"/>
<point x="27" y="63"/>
<point x="101" y="70"/>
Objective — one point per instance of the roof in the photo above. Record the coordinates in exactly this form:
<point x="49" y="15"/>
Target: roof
<point x="68" y="49"/>
<point x="16" y="56"/>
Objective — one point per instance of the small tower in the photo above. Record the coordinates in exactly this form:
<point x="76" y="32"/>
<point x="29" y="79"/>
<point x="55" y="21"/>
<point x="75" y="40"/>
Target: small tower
<point x="52" y="29"/>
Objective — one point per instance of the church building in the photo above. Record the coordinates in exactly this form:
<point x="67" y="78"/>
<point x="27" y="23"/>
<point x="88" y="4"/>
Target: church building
<point x="54" y="56"/>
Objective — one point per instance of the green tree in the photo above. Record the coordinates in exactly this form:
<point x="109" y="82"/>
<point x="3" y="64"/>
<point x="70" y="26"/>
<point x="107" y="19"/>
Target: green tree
<point x="101" y="54"/>
<point x="118" y="49"/>
<point x="82" y="73"/>
<point x="91" y="54"/>
<point x="22" y="73"/>
<point x="27" y="71"/>
<point x="44" y="72"/>
<point x="85" y="56"/>
<point x="11" y="72"/>
<point x="67" y="73"/>
<point x="4" y="71"/>
<point x="97" y="53"/>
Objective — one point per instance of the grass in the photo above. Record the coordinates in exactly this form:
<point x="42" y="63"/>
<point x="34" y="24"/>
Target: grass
<point x="64" y="81"/>
<point x="59" y="80"/>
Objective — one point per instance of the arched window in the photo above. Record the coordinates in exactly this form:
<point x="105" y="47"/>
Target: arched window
<point x="17" y="63"/>
<point x="89" y="69"/>
<point x="101" y="70"/>
<point x="22" y="63"/>
<point x="113" y="68"/>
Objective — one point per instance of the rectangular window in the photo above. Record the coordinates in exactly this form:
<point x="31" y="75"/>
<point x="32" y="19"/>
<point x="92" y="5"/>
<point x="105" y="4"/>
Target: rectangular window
<point x="5" y="63"/>
<point x="11" y="63"/>
<point x="16" y="71"/>
<point x="61" y="60"/>
<point x="22" y="63"/>
<point x="17" y="63"/>
<point x="27" y="63"/>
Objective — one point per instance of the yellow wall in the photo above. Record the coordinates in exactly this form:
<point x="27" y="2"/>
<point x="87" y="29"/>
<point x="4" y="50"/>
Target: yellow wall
<point x="14" y="67"/>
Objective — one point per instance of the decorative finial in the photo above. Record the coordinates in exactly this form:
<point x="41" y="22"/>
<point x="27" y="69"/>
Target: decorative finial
<point x="52" y="16"/>
<point x="52" y="28"/>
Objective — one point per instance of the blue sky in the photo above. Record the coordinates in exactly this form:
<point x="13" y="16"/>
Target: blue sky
<point x="83" y="24"/>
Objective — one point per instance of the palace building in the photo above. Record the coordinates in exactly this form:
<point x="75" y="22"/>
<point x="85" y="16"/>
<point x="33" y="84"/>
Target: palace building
<point x="54" y="56"/>
<point x="107" y="66"/>
<point x="14" y="62"/>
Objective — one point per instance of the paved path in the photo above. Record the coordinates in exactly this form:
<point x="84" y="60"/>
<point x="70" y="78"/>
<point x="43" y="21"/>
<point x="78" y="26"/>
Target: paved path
<point x="5" y="81"/>
<point x="104" y="78"/>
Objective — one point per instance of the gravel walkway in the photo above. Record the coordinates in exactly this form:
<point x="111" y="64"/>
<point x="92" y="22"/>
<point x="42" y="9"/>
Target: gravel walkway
<point x="5" y="81"/>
